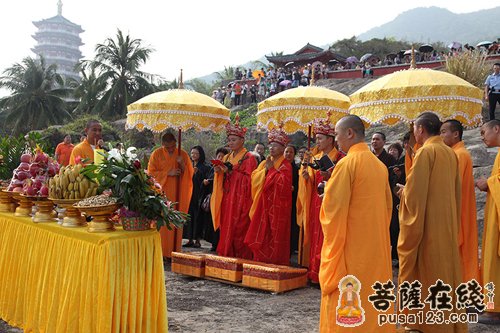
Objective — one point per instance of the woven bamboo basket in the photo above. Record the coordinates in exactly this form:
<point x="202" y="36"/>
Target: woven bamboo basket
<point x="225" y="268"/>
<point x="192" y="263"/>
<point x="273" y="278"/>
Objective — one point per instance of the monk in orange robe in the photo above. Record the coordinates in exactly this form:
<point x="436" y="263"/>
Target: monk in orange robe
<point x="490" y="253"/>
<point x="168" y="167"/>
<point x="269" y="233"/>
<point x="85" y="149"/>
<point x="355" y="217"/>
<point x="429" y="218"/>
<point x="231" y="198"/>
<point x="309" y="200"/>
<point x="451" y="133"/>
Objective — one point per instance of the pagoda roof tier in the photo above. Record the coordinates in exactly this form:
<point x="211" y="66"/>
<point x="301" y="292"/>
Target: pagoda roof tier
<point x="58" y="19"/>
<point x="44" y="35"/>
<point x="57" y="48"/>
<point x="61" y="61"/>
<point x="303" y="58"/>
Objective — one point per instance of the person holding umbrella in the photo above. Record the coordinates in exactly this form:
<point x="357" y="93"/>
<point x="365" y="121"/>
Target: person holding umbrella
<point x="168" y="167"/>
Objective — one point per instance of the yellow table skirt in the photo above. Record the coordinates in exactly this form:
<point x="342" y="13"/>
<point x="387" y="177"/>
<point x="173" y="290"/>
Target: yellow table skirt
<point x="55" y="279"/>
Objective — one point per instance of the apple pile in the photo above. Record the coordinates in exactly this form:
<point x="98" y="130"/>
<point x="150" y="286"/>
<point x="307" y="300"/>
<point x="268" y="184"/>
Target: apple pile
<point x="32" y="175"/>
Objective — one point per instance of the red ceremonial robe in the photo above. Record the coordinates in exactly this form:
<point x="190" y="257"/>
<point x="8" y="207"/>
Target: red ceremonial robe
<point x="269" y="233"/>
<point x="235" y="205"/>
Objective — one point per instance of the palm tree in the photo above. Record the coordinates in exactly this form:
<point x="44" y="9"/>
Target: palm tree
<point x="37" y="99"/>
<point x="226" y="74"/>
<point x="88" y="91"/>
<point x="118" y="62"/>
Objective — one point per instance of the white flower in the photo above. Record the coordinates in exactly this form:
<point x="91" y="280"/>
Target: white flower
<point x="115" y="153"/>
<point x="131" y="153"/>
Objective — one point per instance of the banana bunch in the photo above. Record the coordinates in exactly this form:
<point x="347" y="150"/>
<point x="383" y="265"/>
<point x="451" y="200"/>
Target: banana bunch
<point x="70" y="184"/>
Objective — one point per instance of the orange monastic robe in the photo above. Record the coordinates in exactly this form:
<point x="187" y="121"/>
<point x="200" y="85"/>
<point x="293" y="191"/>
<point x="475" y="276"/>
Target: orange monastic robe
<point x="429" y="218"/>
<point x="83" y="150"/>
<point x="467" y="236"/>
<point x="308" y="206"/>
<point x="269" y="233"/>
<point x="160" y="163"/>
<point x="490" y="260"/>
<point x="355" y="217"/>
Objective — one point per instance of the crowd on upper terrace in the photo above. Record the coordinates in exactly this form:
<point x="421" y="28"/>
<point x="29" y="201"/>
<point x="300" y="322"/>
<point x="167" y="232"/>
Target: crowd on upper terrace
<point x="252" y="86"/>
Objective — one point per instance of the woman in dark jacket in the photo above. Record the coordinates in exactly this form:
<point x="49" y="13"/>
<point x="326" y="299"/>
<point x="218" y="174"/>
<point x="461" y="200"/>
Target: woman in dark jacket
<point x="211" y="235"/>
<point x="196" y="225"/>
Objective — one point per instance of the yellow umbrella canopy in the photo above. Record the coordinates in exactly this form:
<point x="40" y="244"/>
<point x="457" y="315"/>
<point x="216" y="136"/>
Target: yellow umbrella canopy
<point x="296" y="109"/>
<point x="403" y="95"/>
<point x="177" y="108"/>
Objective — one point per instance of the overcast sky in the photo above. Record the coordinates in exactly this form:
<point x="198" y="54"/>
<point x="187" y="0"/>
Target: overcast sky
<point x="203" y="36"/>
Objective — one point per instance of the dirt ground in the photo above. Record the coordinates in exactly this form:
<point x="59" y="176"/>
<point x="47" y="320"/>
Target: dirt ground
<point x="198" y="305"/>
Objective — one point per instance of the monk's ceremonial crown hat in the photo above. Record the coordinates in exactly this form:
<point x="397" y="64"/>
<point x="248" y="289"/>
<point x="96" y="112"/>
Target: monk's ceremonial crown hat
<point x="235" y="129"/>
<point x="324" y="126"/>
<point x="279" y="136"/>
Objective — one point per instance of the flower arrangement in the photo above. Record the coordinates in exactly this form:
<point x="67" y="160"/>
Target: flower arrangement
<point x="138" y="192"/>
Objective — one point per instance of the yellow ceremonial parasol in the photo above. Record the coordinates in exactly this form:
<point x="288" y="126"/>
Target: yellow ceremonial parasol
<point x="177" y="108"/>
<point x="403" y="95"/>
<point x="296" y="109"/>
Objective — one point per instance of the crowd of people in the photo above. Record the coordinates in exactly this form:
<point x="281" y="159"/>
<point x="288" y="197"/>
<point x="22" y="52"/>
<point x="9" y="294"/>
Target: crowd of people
<point x="255" y="86"/>
<point x="349" y="208"/>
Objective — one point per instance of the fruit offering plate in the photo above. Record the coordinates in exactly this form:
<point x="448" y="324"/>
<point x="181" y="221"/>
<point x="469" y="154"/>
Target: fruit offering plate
<point x="100" y="216"/>
<point x="36" y="197"/>
<point x="71" y="216"/>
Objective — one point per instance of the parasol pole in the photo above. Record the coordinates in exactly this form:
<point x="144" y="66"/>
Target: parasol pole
<point x="178" y="183"/>
<point x="309" y="128"/>
<point x="413" y="64"/>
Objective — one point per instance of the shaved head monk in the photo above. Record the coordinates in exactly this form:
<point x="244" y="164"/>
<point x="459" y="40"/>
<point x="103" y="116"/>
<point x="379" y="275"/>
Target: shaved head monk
<point x="309" y="200"/>
<point x="84" y="151"/>
<point x="451" y="132"/>
<point x="355" y="218"/>
<point x="169" y="167"/>
<point x="490" y="259"/>
<point x="429" y="218"/>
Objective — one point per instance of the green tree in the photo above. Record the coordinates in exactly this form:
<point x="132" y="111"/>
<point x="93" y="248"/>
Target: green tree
<point x="118" y="62"/>
<point x="166" y="85"/>
<point x="37" y="98"/>
<point x="380" y="47"/>
<point x="226" y="74"/>
<point x="200" y="86"/>
<point x="88" y="91"/>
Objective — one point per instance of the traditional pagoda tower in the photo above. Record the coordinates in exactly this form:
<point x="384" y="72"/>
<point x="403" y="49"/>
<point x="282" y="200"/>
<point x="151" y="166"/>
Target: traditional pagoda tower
<point x="59" y="43"/>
